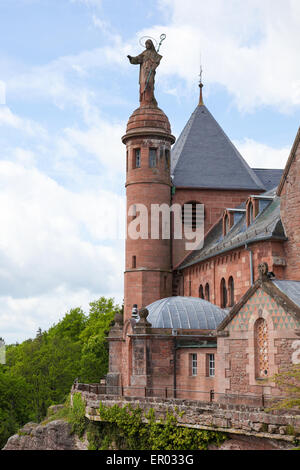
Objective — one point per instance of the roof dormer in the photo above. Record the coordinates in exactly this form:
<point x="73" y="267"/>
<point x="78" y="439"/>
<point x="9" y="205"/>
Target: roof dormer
<point x="254" y="205"/>
<point x="230" y="218"/>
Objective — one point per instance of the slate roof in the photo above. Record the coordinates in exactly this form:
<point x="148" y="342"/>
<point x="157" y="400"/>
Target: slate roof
<point x="267" y="225"/>
<point x="290" y="288"/>
<point x="185" y="313"/>
<point x="270" y="178"/>
<point x="204" y="157"/>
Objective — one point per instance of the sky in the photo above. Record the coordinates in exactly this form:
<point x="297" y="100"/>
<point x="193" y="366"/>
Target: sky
<point x="66" y="92"/>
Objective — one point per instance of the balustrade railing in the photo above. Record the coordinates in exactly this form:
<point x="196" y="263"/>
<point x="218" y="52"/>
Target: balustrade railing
<point x="184" y="394"/>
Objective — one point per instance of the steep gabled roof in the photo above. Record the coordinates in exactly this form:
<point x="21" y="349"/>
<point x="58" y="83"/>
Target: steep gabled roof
<point x="204" y="157"/>
<point x="270" y="178"/>
<point x="290" y="288"/>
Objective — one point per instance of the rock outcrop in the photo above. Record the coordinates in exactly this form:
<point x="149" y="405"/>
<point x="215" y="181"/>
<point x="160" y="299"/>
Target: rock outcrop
<point x="55" y="435"/>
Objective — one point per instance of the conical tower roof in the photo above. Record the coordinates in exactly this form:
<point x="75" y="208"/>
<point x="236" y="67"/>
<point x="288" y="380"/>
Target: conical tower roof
<point x="204" y="157"/>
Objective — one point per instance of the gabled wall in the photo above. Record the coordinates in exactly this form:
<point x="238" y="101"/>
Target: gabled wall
<point x="289" y="190"/>
<point x="237" y="352"/>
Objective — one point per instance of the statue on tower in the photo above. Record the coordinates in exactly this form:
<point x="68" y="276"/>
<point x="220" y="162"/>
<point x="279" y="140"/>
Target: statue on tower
<point x="149" y="61"/>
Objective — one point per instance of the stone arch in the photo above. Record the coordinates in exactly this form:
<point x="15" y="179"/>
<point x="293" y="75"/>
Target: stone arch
<point x="261" y="312"/>
<point x="201" y="292"/>
<point x="261" y="348"/>
<point x="223" y="292"/>
<point x="230" y="292"/>
<point x="207" y="292"/>
<point x="191" y="214"/>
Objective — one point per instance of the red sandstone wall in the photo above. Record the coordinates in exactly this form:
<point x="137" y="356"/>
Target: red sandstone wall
<point x="288" y="352"/>
<point x="235" y="263"/>
<point x="162" y="365"/>
<point x="115" y="353"/>
<point x="237" y="353"/>
<point x="215" y="201"/>
<point x="290" y="213"/>
<point x="151" y="278"/>
<point x="201" y="382"/>
<point x="239" y="362"/>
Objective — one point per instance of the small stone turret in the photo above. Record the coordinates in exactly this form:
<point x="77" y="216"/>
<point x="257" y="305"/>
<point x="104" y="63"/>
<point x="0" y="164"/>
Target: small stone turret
<point x="148" y="139"/>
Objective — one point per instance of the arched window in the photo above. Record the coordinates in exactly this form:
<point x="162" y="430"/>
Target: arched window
<point x="223" y="294"/>
<point x="167" y="159"/>
<point x="231" y="291"/>
<point x="201" y="292"/>
<point x="250" y="213"/>
<point x="137" y="158"/>
<point x="152" y="158"/>
<point x="226" y="224"/>
<point x="261" y="348"/>
<point x="189" y="214"/>
<point x="207" y="296"/>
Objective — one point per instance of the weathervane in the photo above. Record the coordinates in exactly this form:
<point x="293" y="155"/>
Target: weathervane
<point x="149" y="60"/>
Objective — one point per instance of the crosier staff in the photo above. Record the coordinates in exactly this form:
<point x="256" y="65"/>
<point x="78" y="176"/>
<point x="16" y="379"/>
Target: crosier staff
<point x="162" y="38"/>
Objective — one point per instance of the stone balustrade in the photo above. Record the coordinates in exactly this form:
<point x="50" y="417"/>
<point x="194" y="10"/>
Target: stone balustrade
<point x="230" y="418"/>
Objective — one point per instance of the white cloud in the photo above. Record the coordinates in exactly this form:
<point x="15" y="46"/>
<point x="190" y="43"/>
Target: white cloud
<point x="251" y="48"/>
<point x="65" y="81"/>
<point x="103" y="141"/>
<point x="20" y="318"/>
<point x="54" y="240"/>
<point x="8" y="118"/>
<point x="2" y="92"/>
<point x="26" y="158"/>
<point x="259" y="155"/>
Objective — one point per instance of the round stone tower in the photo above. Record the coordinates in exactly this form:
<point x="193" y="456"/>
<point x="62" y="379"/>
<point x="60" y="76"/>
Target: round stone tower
<point x="148" y="275"/>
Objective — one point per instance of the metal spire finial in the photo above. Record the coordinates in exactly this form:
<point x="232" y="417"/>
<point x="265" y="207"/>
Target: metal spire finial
<point x="201" y="103"/>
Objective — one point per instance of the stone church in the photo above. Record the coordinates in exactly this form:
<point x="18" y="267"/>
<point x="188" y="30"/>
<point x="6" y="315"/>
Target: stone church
<point x="221" y="319"/>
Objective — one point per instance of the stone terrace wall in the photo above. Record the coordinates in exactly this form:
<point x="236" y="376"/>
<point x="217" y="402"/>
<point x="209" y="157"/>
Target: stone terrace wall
<point x="233" y="419"/>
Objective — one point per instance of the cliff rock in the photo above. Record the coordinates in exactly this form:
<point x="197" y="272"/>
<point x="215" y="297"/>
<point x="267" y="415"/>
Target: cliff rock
<point x="55" y="435"/>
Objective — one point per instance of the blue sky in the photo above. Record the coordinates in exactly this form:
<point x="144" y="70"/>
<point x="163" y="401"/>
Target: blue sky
<point x="66" y="92"/>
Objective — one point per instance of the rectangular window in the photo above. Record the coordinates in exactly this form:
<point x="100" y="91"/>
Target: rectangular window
<point x="211" y="365"/>
<point x="152" y="158"/>
<point x="167" y="159"/>
<point x="193" y="358"/>
<point x="137" y="153"/>
<point x="134" y="262"/>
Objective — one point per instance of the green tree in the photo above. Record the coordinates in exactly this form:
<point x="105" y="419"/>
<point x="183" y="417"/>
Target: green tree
<point x="40" y="372"/>
<point x="94" y="361"/>
<point x="14" y="404"/>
